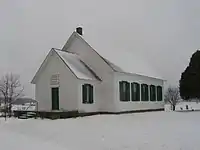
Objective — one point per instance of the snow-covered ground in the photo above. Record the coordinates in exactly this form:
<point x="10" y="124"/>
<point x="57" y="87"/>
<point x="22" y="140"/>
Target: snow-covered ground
<point x="182" y="106"/>
<point x="139" y="131"/>
<point x="191" y="105"/>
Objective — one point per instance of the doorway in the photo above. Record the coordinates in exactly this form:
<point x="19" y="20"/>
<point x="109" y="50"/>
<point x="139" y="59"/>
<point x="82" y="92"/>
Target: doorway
<point x="55" y="98"/>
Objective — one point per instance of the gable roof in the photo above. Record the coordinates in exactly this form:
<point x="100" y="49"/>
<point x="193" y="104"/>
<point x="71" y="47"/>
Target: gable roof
<point x="77" y="66"/>
<point x="41" y="67"/>
<point x="120" y="61"/>
<point x="72" y="61"/>
<point x="75" y="35"/>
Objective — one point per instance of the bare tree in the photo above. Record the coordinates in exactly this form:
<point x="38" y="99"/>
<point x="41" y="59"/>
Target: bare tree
<point x="10" y="89"/>
<point x="172" y="96"/>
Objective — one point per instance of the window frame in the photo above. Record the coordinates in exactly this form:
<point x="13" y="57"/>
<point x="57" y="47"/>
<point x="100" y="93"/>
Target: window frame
<point x="159" y="93"/>
<point x="135" y="92"/>
<point x="144" y="92"/>
<point x="87" y="94"/>
<point x="124" y="94"/>
<point x="153" y="93"/>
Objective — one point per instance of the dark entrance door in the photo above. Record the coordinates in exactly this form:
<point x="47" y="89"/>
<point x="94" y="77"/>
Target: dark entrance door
<point x="55" y="98"/>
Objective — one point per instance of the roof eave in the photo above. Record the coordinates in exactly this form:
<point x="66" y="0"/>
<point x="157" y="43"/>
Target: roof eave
<point x="139" y="75"/>
<point x="75" y="34"/>
<point x="33" y="81"/>
<point x="90" y="80"/>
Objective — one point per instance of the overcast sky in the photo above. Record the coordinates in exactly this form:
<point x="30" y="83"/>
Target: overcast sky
<point x="164" y="32"/>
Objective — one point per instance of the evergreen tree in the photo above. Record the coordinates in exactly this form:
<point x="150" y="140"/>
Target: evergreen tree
<point x="190" y="79"/>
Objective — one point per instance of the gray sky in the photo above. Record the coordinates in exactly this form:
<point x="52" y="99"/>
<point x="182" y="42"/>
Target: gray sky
<point x="165" y="32"/>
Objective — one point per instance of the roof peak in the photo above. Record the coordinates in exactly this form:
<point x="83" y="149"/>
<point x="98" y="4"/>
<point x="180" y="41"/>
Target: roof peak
<point x="117" y="64"/>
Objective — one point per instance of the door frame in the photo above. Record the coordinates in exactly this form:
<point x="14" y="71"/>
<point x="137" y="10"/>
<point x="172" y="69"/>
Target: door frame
<point x="53" y="107"/>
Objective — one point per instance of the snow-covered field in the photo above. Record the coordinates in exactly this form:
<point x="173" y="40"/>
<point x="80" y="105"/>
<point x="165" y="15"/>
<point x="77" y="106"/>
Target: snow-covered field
<point x="139" y="131"/>
<point x="191" y="105"/>
<point x="182" y="106"/>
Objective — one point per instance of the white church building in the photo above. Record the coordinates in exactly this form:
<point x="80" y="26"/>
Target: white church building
<point x="78" y="78"/>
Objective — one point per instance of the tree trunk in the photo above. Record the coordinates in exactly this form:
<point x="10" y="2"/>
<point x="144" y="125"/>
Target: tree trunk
<point x="9" y="110"/>
<point x="5" y="108"/>
<point x="173" y="107"/>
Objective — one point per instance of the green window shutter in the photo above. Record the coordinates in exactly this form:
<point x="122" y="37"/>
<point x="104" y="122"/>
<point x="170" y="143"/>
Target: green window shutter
<point x="91" y="94"/>
<point x="142" y="92"/>
<point x="138" y="92"/>
<point x="135" y="91"/>
<point x="132" y="92"/>
<point x="159" y="93"/>
<point x="127" y="91"/>
<point x="87" y="94"/>
<point x="84" y="93"/>
<point x="124" y="91"/>
<point x="152" y="93"/>
<point x="121" y="90"/>
<point x="146" y="93"/>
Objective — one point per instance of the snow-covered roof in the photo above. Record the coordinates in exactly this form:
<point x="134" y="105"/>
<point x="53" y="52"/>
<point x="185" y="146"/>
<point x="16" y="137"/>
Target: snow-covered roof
<point x="121" y="61"/>
<point x="73" y="62"/>
<point x="76" y="65"/>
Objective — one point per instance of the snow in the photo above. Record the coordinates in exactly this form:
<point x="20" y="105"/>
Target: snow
<point x="139" y="131"/>
<point x="128" y="61"/>
<point x="191" y="105"/>
<point x="76" y="65"/>
<point x="26" y="107"/>
<point x="182" y="106"/>
<point x="168" y="107"/>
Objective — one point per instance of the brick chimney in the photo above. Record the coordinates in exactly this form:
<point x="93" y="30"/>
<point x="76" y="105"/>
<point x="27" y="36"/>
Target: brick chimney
<point x="79" y="30"/>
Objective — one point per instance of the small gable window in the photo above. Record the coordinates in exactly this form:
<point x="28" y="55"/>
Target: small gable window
<point x="145" y="92"/>
<point x="87" y="94"/>
<point x="159" y="93"/>
<point x="124" y="91"/>
<point x="135" y="91"/>
<point x="152" y="92"/>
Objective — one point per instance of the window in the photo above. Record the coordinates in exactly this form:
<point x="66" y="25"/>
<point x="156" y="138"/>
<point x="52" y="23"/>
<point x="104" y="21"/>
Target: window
<point x="124" y="91"/>
<point x="145" y="92"/>
<point x="159" y="93"/>
<point x="152" y="93"/>
<point x="87" y="94"/>
<point x="135" y="91"/>
<point x="55" y="79"/>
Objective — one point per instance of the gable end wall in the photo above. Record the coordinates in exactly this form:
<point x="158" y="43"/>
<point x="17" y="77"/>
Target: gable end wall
<point x="68" y="86"/>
